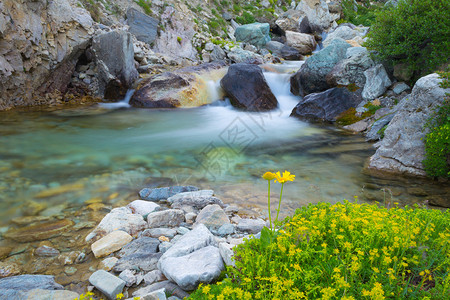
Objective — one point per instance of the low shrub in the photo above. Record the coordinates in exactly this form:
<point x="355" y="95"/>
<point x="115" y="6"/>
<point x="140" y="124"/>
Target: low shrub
<point x="344" y="251"/>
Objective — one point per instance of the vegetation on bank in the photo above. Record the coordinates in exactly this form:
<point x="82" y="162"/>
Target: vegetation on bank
<point x="344" y="251"/>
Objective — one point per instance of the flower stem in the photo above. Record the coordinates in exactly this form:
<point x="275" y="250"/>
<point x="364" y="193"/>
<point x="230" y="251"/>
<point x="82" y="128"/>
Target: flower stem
<point x="279" y="203"/>
<point x="268" y="204"/>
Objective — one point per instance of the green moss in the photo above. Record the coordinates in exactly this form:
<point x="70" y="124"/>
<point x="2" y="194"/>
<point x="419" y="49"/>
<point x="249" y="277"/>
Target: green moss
<point x="348" y="117"/>
<point x="146" y="6"/>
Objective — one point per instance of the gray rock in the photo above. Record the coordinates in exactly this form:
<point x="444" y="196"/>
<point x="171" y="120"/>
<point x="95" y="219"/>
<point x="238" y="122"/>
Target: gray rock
<point x="218" y="54"/>
<point x="108" y="263"/>
<point x="290" y="53"/>
<point x="374" y="132"/>
<point x="247" y="88"/>
<point x="157" y="232"/>
<point x="164" y="193"/>
<point x="114" y="56"/>
<point x="182" y="230"/>
<point x="142" y="207"/>
<point x="15" y="287"/>
<point x="274" y="46"/>
<point x="326" y="106"/>
<point x="351" y="69"/>
<point x="402" y="150"/>
<point x="190" y="217"/>
<point x="377" y="81"/>
<point x="144" y="27"/>
<point x="359" y="126"/>
<point x="107" y="283"/>
<point x="169" y="218"/>
<point x="139" y="261"/>
<point x="303" y="42"/>
<point x="164" y="246"/>
<point x="128" y="276"/>
<point x="118" y="219"/>
<point x="343" y="32"/>
<point x="400" y="87"/>
<point x="213" y="217"/>
<point x="41" y="294"/>
<point x="197" y="199"/>
<point x="318" y="14"/>
<point x="203" y="265"/>
<point x="167" y="285"/>
<point x="256" y="34"/>
<point x="142" y="244"/>
<point x="46" y="251"/>
<point x="238" y="55"/>
<point x="289" y="20"/>
<point x="226" y="251"/>
<point x="153" y="276"/>
<point x="311" y="78"/>
<point x="226" y="229"/>
<point x="251" y="225"/>
<point x="209" y="46"/>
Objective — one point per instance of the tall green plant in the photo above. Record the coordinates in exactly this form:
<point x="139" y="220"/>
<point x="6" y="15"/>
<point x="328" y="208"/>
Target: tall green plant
<point x="416" y="32"/>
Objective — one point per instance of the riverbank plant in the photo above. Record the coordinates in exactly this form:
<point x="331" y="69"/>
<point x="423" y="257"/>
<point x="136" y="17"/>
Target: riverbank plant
<point x="344" y="251"/>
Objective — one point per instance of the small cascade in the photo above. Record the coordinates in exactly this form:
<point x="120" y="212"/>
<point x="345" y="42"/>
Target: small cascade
<point x="125" y="103"/>
<point x="320" y="44"/>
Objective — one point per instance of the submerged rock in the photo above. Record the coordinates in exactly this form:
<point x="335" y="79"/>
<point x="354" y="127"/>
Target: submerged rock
<point x="247" y="88"/>
<point x="164" y="193"/>
<point x="39" y="232"/>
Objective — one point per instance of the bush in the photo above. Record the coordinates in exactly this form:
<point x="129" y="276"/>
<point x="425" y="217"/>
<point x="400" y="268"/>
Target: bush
<point x="344" y="251"/>
<point x="359" y="14"/>
<point x="415" y="32"/>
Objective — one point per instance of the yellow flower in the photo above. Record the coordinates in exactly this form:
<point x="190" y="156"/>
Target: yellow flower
<point x="119" y="296"/>
<point x="269" y="176"/>
<point x="287" y="176"/>
<point x="206" y="289"/>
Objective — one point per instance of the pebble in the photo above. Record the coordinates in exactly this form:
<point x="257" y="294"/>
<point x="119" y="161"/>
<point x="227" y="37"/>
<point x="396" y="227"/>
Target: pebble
<point x="70" y="270"/>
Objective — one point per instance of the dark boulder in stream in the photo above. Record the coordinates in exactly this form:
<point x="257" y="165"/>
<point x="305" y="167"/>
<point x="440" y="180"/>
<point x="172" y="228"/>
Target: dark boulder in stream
<point x="326" y="106"/>
<point x="247" y="88"/>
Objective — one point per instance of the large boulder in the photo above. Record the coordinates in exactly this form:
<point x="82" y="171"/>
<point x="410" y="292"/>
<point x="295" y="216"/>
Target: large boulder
<point x="402" y="149"/>
<point x="144" y="27"/>
<point x="114" y="56"/>
<point x="16" y="287"/>
<point x="41" y="42"/>
<point x="311" y="78"/>
<point x="196" y="199"/>
<point x="351" y="69"/>
<point x="256" y="34"/>
<point x="377" y="82"/>
<point x="247" y="88"/>
<point x="318" y="14"/>
<point x="303" y="42"/>
<point x="186" y="87"/>
<point x="289" y="20"/>
<point x="327" y="105"/>
<point x="344" y="32"/>
<point x="239" y="55"/>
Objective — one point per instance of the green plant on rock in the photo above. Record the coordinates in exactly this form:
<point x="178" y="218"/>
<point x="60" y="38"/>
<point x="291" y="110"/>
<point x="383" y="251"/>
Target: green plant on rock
<point x="146" y="6"/>
<point x="344" y="251"/>
<point x="246" y="18"/>
<point x="416" y="33"/>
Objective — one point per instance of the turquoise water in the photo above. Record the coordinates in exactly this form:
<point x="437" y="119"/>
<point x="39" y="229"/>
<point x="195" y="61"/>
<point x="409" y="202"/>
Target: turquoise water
<point x="55" y="159"/>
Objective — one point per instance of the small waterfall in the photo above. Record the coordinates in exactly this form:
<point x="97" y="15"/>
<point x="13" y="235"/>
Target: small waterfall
<point x="125" y="103"/>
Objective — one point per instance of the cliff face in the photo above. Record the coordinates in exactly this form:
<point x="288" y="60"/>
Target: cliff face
<point x="40" y="43"/>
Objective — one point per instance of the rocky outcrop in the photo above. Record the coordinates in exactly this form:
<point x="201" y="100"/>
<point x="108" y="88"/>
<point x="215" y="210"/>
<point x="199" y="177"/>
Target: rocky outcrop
<point x="402" y="149"/>
<point x="186" y="87"/>
<point x="247" y="88"/>
<point x="256" y="34"/>
<point x="311" y="78"/>
<point x="326" y="106"/>
<point x="40" y="43"/>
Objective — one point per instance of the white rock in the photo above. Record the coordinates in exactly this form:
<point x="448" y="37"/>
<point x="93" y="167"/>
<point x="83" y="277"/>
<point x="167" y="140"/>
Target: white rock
<point x="197" y="199"/>
<point x="377" y="81"/>
<point x="143" y="207"/>
<point x="110" y="243"/>
<point x="212" y="216"/>
<point x="153" y="276"/>
<point x="226" y="251"/>
<point x="190" y="217"/>
<point x="39" y="294"/>
<point x="170" y="218"/>
<point x="251" y="225"/>
<point x="107" y="283"/>
<point x="128" y="276"/>
<point x="303" y="42"/>
<point x="108" y="263"/>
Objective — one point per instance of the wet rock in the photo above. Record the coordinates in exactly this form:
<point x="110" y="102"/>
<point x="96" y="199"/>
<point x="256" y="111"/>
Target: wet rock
<point x="197" y="199"/>
<point x="185" y="87"/>
<point x="169" y="218"/>
<point x="303" y="42"/>
<point x="16" y="286"/>
<point x="114" y="56"/>
<point x="39" y="232"/>
<point x="247" y="88"/>
<point x="110" y="243"/>
<point x="46" y="251"/>
<point x="326" y="106"/>
<point x="70" y="270"/>
<point x="68" y="258"/>
<point x="311" y="78"/>
<point x="226" y="251"/>
<point x="164" y="193"/>
<point x="107" y="283"/>
<point x="203" y="265"/>
<point x="251" y="225"/>
<point x="157" y="232"/>
<point x="128" y="276"/>
<point x="139" y="261"/>
<point x="40" y="294"/>
<point x="108" y="263"/>
<point x="402" y="150"/>
<point x="377" y="81"/>
<point x="142" y="244"/>
<point x="142" y="207"/>
<point x="256" y="34"/>
<point x="213" y="217"/>
<point x="153" y="276"/>
<point x="8" y="269"/>
<point x="119" y="219"/>
<point x="144" y="27"/>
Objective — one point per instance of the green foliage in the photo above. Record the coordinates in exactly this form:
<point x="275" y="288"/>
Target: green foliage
<point x="343" y="251"/>
<point x="357" y="14"/>
<point x="90" y="296"/>
<point x="179" y="39"/>
<point x="246" y="18"/>
<point x="416" y="32"/>
<point x="146" y="6"/>
<point x="437" y="141"/>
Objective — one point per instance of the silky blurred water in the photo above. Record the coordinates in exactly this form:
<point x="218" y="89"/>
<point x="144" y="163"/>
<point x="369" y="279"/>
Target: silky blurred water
<point x="66" y="157"/>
